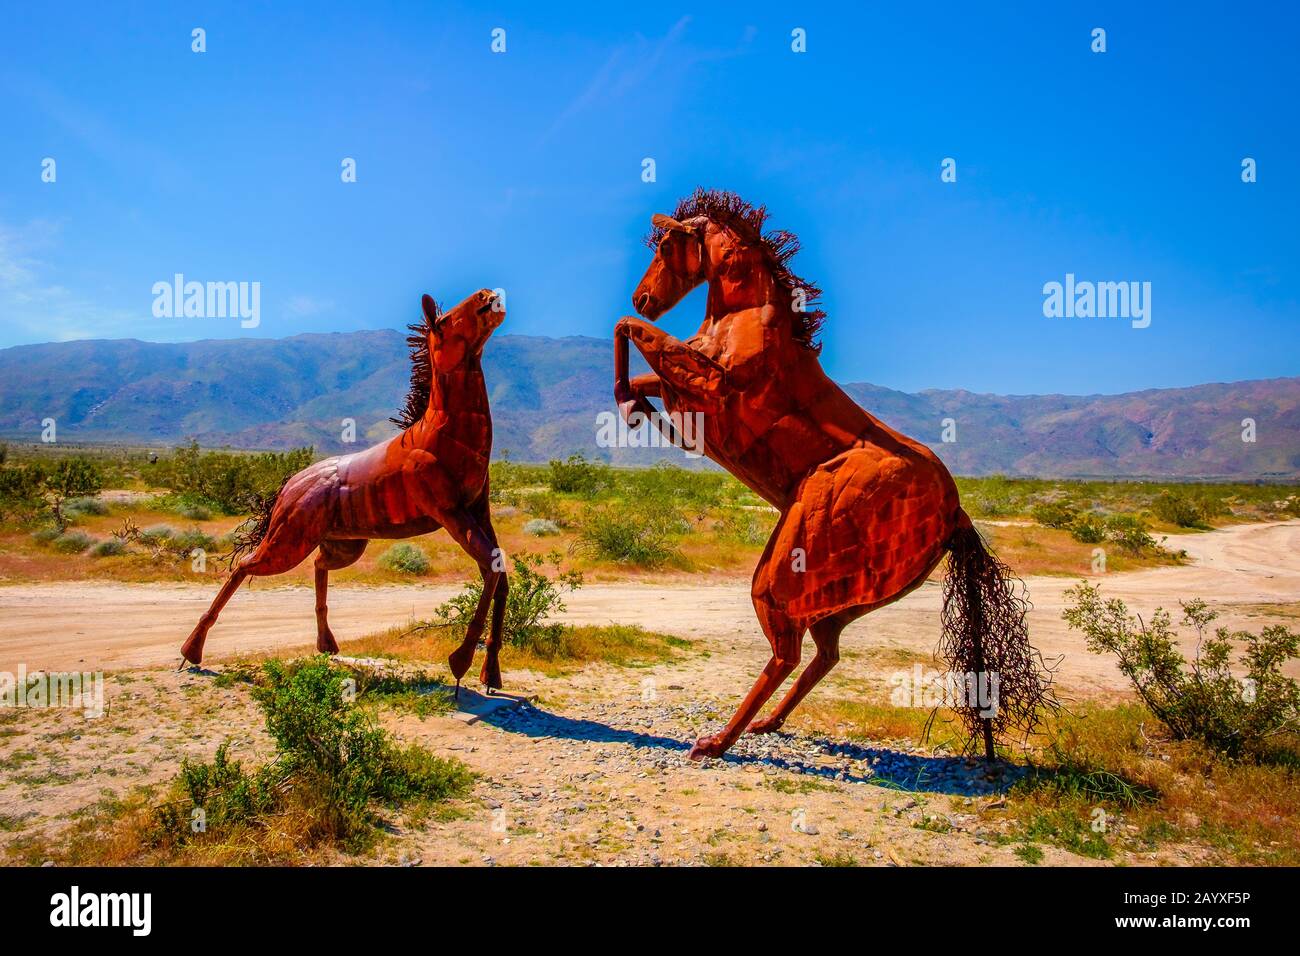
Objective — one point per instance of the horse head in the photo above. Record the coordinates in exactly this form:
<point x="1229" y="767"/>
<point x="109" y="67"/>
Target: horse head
<point x="716" y="236"/>
<point x="461" y="332"/>
<point x="678" y="266"/>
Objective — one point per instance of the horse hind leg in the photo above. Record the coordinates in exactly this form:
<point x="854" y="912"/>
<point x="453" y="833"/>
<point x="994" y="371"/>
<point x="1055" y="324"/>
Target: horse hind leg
<point x="785" y="637"/>
<point x="192" y="649"/>
<point x="332" y="556"/>
<point x="268" y="559"/>
<point x="826" y="635"/>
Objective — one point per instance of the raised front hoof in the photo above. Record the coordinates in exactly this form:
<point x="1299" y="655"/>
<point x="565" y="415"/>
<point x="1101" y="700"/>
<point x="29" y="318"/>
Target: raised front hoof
<point x="707" y="747"/>
<point x="325" y="644"/>
<point x="767" y="725"/>
<point x="460" y="659"/>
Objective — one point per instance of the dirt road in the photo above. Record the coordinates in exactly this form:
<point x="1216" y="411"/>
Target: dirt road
<point x="93" y="625"/>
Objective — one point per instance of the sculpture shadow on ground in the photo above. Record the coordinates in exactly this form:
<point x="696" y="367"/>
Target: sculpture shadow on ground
<point x="891" y="769"/>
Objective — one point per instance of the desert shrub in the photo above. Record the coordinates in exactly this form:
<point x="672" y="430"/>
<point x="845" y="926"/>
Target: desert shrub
<point x="1088" y="529"/>
<point x="72" y="542"/>
<point x="158" y="532"/>
<point x="545" y="505"/>
<point x="577" y="476"/>
<point x="541" y="527"/>
<point x="71" y="478"/>
<point x="630" y="534"/>
<point x="746" y="527"/>
<point x="533" y="597"/>
<point x="108" y="548"/>
<point x="229" y="482"/>
<point x="1054" y="514"/>
<point x="195" y="512"/>
<point x="504" y="478"/>
<point x="332" y="765"/>
<point x="1178" y="509"/>
<point x="86" y="506"/>
<point x="22" y="493"/>
<point x="45" y="535"/>
<point x="668" y="486"/>
<point x="1129" y="533"/>
<point x="193" y="538"/>
<point x="1200" y="700"/>
<point x="405" y="559"/>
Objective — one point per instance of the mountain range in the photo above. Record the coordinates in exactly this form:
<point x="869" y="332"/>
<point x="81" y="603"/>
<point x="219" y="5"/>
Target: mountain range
<point x="546" y="394"/>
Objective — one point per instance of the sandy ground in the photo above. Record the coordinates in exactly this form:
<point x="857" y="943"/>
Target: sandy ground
<point x="596" y="772"/>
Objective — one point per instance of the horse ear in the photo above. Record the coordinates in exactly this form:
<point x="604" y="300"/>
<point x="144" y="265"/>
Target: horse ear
<point x="660" y="221"/>
<point x="430" y="307"/>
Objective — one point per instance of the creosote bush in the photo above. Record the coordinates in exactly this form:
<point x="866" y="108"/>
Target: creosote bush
<point x="333" y="768"/>
<point x="72" y="542"/>
<point x="630" y="534"/>
<point x="533" y="597"/>
<point x="576" y="475"/>
<point x="405" y="558"/>
<point x="1200" y="699"/>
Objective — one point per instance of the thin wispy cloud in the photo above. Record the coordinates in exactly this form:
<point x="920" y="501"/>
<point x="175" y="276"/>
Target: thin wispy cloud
<point x="624" y="70"/>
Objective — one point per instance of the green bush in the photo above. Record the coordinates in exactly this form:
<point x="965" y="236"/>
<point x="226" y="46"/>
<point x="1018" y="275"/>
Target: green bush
<point x="72" y="542"/>
<point x="746" y="527"/>
<point x="666" y="486"/>
<point x="71" y="478"/>
<point x="1088" y="530"/>
<point x="228" y="481"/>
<point x="541" y="527"/>
<point x="22" y="492"/>
<point x="86" y="506"/>
<point x="194" y="512"/>
<point x="332" y="765"/>
<point x="577" y="476"/>
<point x="158" y="532"/>
<point x="1178" y="509"/>
<point x="1130" y="533"/>
<point x="545" y="505"/>
<point x="1201" y="701"/>
<point x="533" y="597"/>
<point x="405" y="559"/>
<point x="630" y="534"/>
<point x="45" y="535"/>
<point x="1054" y="514"/>
<point x="193" y="538"/>
<point x="108" y="548"/>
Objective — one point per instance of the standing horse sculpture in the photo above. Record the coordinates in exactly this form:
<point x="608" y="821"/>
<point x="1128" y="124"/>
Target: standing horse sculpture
<point x="433" y="475"/>
<point x="866" y="513"/>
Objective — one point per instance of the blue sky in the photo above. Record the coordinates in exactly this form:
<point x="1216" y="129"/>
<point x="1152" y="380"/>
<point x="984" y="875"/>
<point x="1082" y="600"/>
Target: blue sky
<point x="523" y="170"/>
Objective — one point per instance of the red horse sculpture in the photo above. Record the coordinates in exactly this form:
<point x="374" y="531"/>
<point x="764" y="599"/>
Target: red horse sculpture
<point x="433" y="475"/>
<point x="866" y="513"/>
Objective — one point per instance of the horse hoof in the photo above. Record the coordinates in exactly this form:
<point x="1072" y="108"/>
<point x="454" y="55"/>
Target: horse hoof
<point x="325" y="644"/>
<point x="460" y="659"/>
<point x="707" y="747"/>
<point x="765" y="726"/>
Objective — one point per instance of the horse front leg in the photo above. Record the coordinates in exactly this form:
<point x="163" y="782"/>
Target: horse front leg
<point x="693" y="379"/>
<point x="468" y="532"/>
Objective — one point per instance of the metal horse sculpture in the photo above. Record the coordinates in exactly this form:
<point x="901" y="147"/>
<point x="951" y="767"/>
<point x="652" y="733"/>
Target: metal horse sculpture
<point x="866" y="513"/>
<point x="433" y="475"/>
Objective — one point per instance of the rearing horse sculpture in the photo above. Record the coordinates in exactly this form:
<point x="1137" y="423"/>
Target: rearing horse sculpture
<point x="866" y="513"/>
<point x="433" y="475"/>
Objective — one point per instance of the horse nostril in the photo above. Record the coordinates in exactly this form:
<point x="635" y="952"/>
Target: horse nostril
<point x="642" y="301"/>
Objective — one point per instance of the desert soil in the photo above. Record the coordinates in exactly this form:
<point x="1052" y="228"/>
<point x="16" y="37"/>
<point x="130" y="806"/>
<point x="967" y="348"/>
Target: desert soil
<point x="595" y="771"/>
